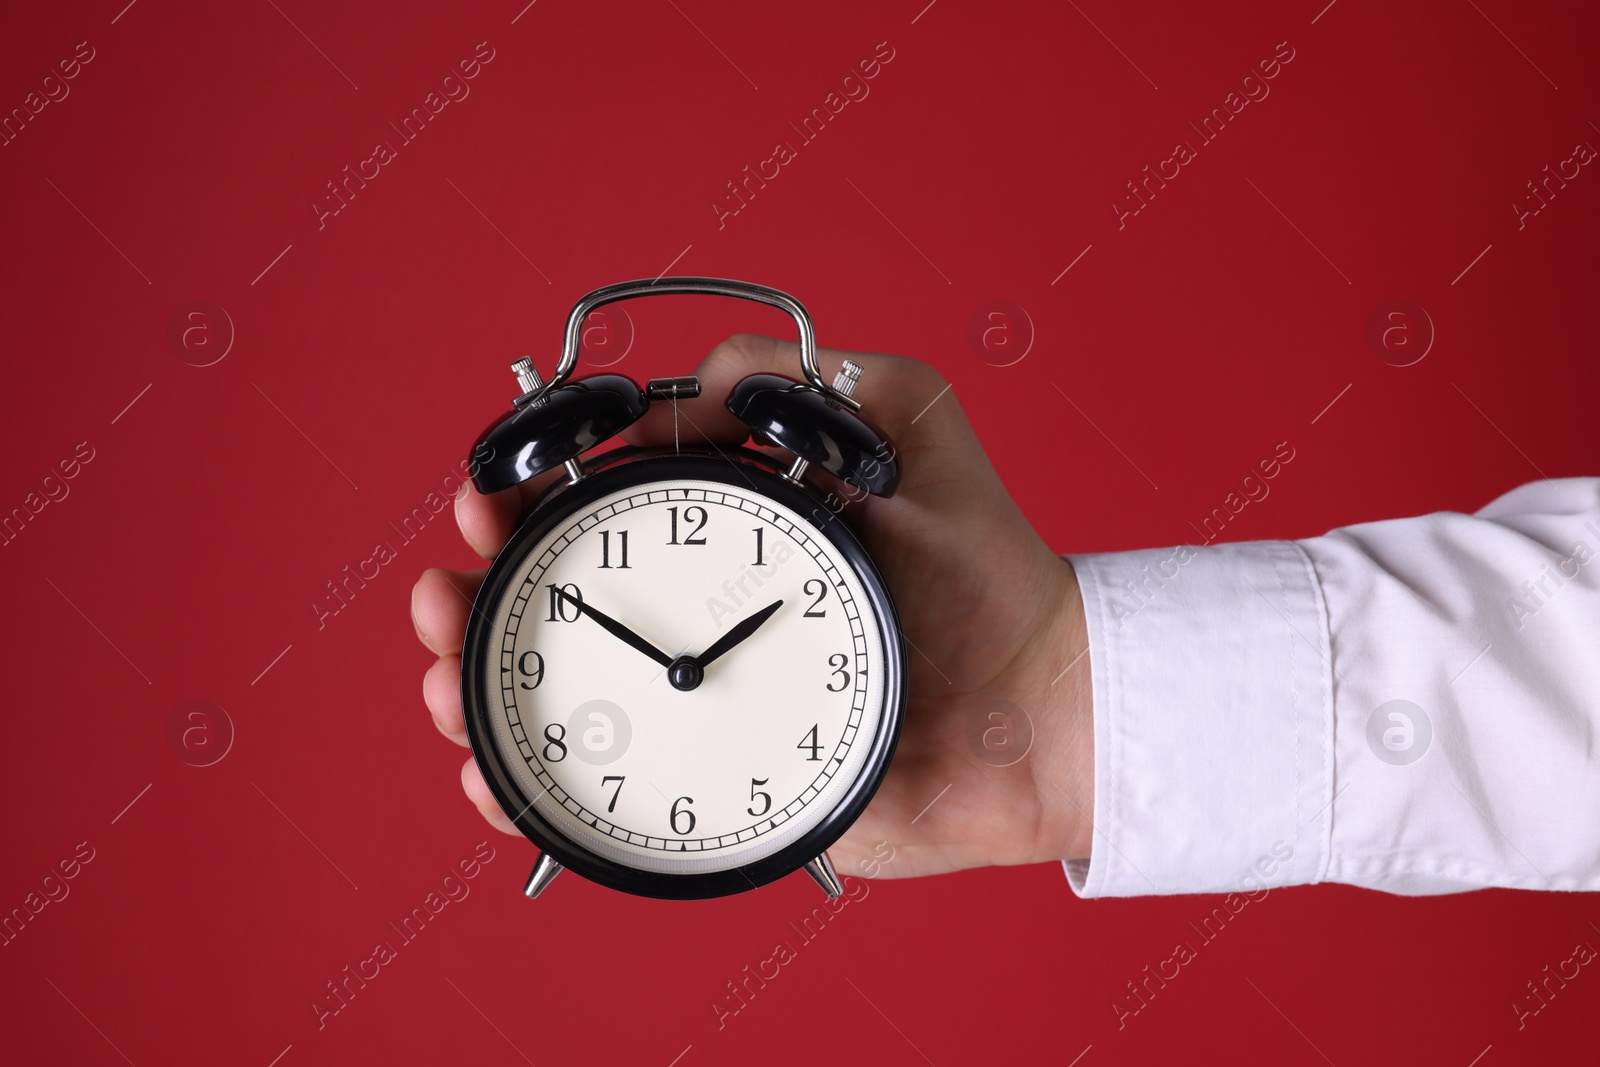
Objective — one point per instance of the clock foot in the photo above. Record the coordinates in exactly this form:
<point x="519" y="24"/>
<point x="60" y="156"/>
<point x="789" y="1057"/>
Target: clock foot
<point x="821" y="871"/>
<point x="544" y="872"/>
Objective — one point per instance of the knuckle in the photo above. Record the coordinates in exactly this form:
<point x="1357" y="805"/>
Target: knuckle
<point x="919" y="375"/>
<point x="739" y="350"/>
<point x="903" y="382"/>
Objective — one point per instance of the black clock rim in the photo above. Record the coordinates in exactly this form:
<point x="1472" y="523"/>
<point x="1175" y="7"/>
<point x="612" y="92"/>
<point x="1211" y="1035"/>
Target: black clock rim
<point x="622" y="469"/>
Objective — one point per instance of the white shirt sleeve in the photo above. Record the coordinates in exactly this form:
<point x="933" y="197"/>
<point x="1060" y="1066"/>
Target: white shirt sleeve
<point x="1411" y="705"/>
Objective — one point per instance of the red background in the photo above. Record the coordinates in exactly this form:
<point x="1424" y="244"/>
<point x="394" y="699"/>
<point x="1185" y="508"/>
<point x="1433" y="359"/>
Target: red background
<point x="1208" y="329"/>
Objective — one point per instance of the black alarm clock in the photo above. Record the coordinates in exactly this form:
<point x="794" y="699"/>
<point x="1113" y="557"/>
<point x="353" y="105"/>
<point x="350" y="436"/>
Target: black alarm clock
<point x="683" y="675"/>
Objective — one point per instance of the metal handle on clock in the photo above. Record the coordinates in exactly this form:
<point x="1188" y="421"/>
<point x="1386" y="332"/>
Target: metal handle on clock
<point x="760" y="294"/>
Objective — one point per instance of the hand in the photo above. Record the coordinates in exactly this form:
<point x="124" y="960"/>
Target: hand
<point x="990" y="615"/>
<point x="737" y="634"/>
<point x="615" y="628"/>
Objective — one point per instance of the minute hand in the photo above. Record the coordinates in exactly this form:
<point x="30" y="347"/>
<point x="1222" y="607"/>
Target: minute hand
<point x="616" y="629"/>
<point x="737" y="634"/>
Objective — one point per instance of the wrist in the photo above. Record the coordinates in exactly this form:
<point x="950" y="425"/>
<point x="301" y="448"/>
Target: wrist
<point x="1064" y="772"/>
<point x="1050" y="680"/>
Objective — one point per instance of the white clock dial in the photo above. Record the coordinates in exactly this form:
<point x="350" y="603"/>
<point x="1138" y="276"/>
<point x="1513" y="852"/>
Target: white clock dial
<point x="658" y="778"/>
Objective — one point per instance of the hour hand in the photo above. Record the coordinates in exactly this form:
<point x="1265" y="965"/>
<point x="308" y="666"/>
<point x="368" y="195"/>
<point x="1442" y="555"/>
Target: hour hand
<point x="737" y="634"/>
<point x="616" y="629"/>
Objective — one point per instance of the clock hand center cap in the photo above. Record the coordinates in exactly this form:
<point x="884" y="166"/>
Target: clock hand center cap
<point x="685" y="673"/>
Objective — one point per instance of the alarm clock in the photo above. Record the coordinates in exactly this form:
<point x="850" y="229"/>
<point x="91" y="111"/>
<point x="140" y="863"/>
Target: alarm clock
<point x="683" y="676"/>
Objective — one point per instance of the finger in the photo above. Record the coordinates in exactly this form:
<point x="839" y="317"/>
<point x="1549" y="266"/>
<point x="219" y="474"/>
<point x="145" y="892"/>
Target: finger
<point x="441" y="602"/>
<point x="487" y="520"/>
<point x="906" y="398"/>
<point x="706" y="417"/>
<point x="441" y="691"/>
<point x="478" y="792"/>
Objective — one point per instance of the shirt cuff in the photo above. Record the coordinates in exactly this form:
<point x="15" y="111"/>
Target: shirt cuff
<point x="1213" y="720"/>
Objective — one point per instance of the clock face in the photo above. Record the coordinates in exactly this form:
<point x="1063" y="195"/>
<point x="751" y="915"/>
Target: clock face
<point x="685" y="770"/>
